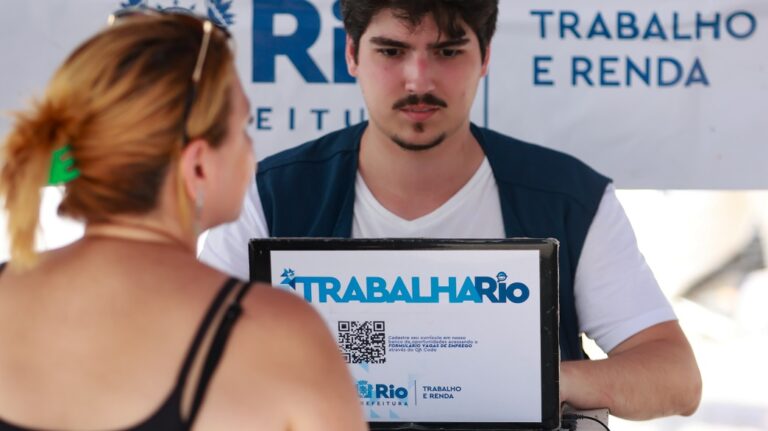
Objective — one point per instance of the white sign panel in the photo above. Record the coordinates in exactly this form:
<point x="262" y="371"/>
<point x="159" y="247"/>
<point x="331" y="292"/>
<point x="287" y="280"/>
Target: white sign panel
<point x="430" y="335"/>
<point x="655" y="94"/>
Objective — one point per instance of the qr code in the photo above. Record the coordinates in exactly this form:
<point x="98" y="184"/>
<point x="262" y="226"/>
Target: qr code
<point x="363" y="342"/>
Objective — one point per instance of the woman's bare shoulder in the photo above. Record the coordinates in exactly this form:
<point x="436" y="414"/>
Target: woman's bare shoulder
<point x="284" y="367"/>
<point x="265" y="301"/>
<point x="288" y="322"/>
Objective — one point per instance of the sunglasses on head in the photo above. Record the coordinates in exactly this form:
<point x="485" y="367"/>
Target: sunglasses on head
<point x="208" y="27"/>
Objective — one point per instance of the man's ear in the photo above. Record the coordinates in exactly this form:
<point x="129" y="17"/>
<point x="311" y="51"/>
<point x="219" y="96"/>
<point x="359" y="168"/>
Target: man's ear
<point x="194" y="166"/>
<point x="486" y="60"/>
<point x="349" y="54"/>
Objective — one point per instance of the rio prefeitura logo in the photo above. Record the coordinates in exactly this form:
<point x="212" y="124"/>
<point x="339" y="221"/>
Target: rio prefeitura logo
<point x="218" y="11"/>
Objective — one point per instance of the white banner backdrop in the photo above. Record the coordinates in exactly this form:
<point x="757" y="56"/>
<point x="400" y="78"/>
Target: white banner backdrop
<point x="656" y="94"/>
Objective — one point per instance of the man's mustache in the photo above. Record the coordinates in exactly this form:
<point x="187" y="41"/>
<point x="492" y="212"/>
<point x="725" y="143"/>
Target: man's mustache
<point x="415" y="99"/>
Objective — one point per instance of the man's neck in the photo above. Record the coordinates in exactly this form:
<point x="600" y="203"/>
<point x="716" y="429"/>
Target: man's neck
<point x="412" y="184"/>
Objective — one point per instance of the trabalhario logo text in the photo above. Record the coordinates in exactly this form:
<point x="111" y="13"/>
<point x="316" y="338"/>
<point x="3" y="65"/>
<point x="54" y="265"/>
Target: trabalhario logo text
<point x="374" y="289"/>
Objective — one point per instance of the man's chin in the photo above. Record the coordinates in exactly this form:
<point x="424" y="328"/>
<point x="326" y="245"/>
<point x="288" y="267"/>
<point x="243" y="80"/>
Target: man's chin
<point x="417" y="143"/>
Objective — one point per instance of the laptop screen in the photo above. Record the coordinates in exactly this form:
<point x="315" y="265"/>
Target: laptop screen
<point x="448" y="334"/>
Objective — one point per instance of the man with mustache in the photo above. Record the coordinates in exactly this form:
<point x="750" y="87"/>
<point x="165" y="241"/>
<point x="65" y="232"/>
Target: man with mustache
<point x="420" y="168"/>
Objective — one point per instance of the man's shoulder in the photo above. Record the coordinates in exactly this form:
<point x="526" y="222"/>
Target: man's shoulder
<point x="536" y="167"/>
<point x="529" y="152"/>
<point x="320" y="150"/>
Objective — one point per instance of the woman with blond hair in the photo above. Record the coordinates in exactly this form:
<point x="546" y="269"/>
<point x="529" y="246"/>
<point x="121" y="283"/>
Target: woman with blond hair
<point x="145" y="124"/>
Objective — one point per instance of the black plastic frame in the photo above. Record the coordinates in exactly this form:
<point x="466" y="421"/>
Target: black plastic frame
<point x="260" y="264"/>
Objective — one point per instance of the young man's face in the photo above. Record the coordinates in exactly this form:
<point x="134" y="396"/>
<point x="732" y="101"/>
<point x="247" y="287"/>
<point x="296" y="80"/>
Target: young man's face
<point x="418" y="84"/>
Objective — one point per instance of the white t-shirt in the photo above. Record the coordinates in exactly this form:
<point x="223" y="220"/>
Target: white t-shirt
<point x="616" y="293"/>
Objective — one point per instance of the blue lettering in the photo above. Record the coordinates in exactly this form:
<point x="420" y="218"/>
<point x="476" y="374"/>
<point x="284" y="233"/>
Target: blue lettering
<point x="568" y="21"/>
<point x="292" y="118"/>
<point x="262" y="121"/>
<point x="739" y="24"/>
<point x="607" y="70"/>
<point x="436" y="288"/>
<point x="381" y="391"/>
<point x="750" y="30"/>
<point x="676" y="28"/>
<point x="644" y="75"/>
<point x="354" y="292"/>
<point x="654" y="29"/>
<point x="697" y="75"/>
<point x="516" y="292"/>
<point x="714" y="25"/>
<point x="307" y="288"/>
<point x="401" y="393"/>
<point x="627" y="23"/>
<point x="267" y="46"/>
<point x="542" y="14"/>
<point x="677" y="71"/>
<point x="328" y="286"/>
<point x="539" y="69"/>
<point x="598" y="28"/>
<point x="377" y="289"/>
<point x="486" y="286"/>
<point x="669" y="72"/>
<point x="348" y="117"/>
<point x="581" y="66"/>
<point x="319" y="113"/>
<point x="400" y="292"/>
<point x="416" y="288"/>
<point x="468" y="292"/>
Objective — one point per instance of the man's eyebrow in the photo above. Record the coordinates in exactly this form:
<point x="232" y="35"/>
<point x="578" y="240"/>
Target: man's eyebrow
<point x="385" y="41"/>
<point x="392" y="43"/>
<point x="451" y="43"/>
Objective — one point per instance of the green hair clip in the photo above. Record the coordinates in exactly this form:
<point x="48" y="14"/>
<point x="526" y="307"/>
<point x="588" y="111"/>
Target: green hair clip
<point x="63" y="168"/>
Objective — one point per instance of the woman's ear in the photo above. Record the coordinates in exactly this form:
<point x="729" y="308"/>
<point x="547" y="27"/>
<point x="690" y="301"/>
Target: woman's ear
<point x="194" y="166"/>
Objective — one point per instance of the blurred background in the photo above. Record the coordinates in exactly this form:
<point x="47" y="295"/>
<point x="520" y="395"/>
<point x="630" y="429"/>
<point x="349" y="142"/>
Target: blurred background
<point x="709" y="250"/>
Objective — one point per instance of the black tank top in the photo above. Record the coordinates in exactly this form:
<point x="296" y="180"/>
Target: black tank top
<point x="168" y="415"/>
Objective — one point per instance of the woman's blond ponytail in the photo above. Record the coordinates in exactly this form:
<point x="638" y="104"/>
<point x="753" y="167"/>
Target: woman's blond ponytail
<point x="26" y="160"/>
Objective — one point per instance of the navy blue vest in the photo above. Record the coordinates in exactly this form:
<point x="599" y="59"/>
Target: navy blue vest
<point x="309" y="191"/>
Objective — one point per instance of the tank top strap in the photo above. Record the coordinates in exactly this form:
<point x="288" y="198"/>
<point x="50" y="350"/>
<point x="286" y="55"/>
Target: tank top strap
<point x="203" y="329"/>
<point x="216" y="350"/>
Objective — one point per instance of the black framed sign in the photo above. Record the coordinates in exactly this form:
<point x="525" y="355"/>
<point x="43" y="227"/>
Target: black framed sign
<point x="438" y="334"/>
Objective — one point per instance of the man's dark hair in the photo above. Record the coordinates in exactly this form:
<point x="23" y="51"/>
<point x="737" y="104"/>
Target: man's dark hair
<point x="479" y="15"/>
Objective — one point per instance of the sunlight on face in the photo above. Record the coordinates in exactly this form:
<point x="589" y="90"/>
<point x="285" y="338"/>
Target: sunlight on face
<point x="418" y="84"/>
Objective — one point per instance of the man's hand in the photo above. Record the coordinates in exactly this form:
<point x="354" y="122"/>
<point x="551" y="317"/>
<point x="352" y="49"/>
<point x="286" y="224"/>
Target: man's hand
<point x="649" y="375"/>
